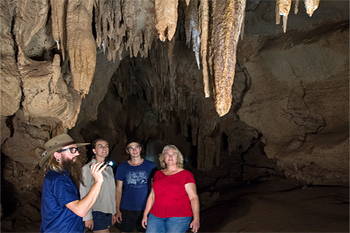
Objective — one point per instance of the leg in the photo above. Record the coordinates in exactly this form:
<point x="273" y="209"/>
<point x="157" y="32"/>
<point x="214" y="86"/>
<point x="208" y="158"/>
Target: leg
<point x="102" y="222"/>
<point x="128" y="222"/>
<point x="177" y="224"/>
<point x="155" y="225"/>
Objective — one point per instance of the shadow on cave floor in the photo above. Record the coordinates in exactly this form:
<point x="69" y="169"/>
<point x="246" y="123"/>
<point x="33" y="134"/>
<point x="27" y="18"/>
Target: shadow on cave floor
<point x="279" y="206"/>
<point x="271" y="206"/>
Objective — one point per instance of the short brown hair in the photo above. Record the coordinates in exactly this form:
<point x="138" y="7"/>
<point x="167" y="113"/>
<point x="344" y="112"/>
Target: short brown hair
<point x="132" y="141"/>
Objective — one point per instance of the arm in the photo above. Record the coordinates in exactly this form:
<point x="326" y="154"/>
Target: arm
<point x="81" y="207"/>
<point x="148" y="208"/>
<point x="89" y="224"/>
<point x="118" y="198"/>
<point x="191" y="191"/>
<point x="84" y="189"/>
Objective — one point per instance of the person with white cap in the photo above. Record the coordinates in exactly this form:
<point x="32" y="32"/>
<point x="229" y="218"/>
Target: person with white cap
<point x="61" y="208"/>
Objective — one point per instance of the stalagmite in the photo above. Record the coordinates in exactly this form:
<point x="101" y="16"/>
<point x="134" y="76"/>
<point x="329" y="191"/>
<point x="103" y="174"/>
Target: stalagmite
<point x="81" y="44"/>
<point x="204" y="34"/>
<point x="58" y="14"/>
<point x="166" y="18"/>
<point x="228" y="17"/>
<point x="283" y="8"/>
<point x="311" y="6"/>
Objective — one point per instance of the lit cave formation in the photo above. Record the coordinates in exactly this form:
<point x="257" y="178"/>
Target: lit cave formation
<point x="252" y="92"/>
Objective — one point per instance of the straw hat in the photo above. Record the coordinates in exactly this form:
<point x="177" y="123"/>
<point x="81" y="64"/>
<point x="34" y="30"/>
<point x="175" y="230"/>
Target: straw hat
<point x="55" y="144"/>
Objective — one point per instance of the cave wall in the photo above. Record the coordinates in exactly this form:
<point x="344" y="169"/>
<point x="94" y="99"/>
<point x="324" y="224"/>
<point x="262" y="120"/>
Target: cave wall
<point x="299" y="94"/>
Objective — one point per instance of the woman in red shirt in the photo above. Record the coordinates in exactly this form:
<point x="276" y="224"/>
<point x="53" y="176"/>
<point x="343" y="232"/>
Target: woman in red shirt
<point x="173" y="204"/>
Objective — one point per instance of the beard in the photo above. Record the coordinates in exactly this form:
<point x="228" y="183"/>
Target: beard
<point x="74" y="168"/>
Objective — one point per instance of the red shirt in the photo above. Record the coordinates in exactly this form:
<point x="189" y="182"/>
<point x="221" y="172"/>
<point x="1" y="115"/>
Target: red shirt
<point x="171" y="199"/>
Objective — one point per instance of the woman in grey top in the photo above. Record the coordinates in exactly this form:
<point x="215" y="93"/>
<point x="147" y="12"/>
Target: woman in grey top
<point x="102" y="214"/>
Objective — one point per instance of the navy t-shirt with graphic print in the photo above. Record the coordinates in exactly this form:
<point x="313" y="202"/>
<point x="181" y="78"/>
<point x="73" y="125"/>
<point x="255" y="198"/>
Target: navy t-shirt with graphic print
<point x="136" y="184"/>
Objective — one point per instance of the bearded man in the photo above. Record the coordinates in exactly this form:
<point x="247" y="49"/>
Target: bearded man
<point x="61" y="208"/>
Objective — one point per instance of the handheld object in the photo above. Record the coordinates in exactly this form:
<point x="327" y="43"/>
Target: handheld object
<point x="109" y="163"/>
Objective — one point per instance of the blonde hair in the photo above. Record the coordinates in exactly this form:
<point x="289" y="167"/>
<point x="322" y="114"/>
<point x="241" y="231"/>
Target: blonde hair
<point x="52" y="164"/>
<point x="179" y="156"/>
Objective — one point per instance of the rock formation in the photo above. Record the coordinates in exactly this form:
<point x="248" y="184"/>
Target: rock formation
<point x="242" y="97"/>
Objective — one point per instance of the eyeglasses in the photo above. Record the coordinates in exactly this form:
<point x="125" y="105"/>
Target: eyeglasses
<point x="72" y="150"/>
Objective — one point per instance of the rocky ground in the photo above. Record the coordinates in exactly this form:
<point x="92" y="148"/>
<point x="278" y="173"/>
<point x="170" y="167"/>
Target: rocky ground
<point x="270" y="206"/>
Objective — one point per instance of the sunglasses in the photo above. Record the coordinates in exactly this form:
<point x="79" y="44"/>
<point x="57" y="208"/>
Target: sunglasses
<point x="72" y="150"/>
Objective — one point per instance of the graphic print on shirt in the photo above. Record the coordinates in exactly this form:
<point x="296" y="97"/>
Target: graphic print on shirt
<point x="137" y="178"/>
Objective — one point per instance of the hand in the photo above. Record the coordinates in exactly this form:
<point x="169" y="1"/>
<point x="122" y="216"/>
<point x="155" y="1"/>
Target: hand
<point x="119" y="217"/>
<point x="194" y="226"/>
<point x="114" y="219"/>
<point x="144" y="222"/>
<point x="96" y="171"/>
<point x="89" y="224"/>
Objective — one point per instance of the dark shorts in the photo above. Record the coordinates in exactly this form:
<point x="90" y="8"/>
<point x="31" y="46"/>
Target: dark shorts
<point x="131" y="219"/>
<point x="101" y="220"/>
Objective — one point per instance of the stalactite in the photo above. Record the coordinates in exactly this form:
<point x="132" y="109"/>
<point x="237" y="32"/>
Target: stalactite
<point x="145" y="26"/>
<point x="311" y="6"/>
<point x="228" y="17"/>
<point x="81" y="44"/>
<point x="166" y="18"/>
<point x="170" y="52"/>
<point x="31" y="16"/>
<point x="125" y="23"/>
<point x="283" y="8"/>
<point x="242" y="27"/>
<point x="109" y="27"/>
<point x="139" y="18"/>
<point x="296" y="5"/>
<point x="132" y="41"/>
<point x="192" y="28"/>
<point x="204" y="35"/>
<point x="58" y="14"/>
<point x="277" y="13"/>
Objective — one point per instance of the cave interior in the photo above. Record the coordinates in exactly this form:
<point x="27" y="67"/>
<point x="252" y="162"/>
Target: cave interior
<point x="249" y="91"/>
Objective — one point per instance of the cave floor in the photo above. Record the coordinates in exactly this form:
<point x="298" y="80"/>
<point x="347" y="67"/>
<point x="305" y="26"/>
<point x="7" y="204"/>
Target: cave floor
<point x="278" y="206"/>
<point x="270" y="206"/>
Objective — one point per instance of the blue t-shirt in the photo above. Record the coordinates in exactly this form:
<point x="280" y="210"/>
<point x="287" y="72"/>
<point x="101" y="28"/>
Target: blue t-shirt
<point x="59" y="190"/>
<point x="136" y="184"/>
